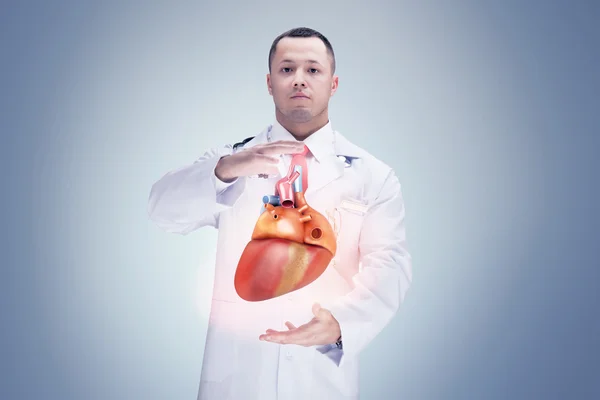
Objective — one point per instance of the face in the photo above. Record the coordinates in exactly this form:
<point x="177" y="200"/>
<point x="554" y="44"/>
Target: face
<point x="301" y="80"/>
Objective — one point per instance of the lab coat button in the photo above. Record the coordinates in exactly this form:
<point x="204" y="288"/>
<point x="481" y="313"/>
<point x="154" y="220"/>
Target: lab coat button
<point x="288" y="355"/>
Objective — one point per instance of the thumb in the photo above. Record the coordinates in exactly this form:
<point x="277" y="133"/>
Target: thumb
<point x="318" y="311"/>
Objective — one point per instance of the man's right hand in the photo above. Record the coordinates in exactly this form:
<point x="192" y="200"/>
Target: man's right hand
<point x="259" y="159"/>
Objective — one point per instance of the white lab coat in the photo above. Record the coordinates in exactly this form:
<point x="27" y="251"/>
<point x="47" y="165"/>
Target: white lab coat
<point x="363" y="286"/>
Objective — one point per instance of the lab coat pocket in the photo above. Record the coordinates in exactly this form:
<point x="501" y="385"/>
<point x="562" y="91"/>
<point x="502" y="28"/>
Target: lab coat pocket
<point x="220" y="350"/>
<point x="348" y="221"/>
<point x="353" y="206"/>
<point x="350" y="216"/>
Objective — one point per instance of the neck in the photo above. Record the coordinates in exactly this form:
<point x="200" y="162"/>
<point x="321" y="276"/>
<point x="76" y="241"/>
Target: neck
<point x="302" y="130"/>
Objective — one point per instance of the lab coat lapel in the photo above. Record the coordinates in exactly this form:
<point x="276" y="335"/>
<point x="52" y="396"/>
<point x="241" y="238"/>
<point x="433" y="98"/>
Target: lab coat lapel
<point x="327" y="170"/>
<point x="331" y="167"/>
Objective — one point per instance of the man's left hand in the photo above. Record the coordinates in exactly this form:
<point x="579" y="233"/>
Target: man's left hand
<point x="321" y="330"/>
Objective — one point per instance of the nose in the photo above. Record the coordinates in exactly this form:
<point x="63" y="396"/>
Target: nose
<point x="299" y="80"/>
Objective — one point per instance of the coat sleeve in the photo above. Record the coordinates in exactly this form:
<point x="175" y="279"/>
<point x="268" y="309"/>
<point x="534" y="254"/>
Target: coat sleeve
<point x="191" y="197"/>
<point x="384" y="278"/>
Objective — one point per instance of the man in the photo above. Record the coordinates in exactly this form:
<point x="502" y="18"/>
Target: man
<point x="306" y="343"/>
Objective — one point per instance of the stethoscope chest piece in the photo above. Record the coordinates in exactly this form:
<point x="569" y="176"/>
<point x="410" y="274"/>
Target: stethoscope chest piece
<point x="347" y="160"/>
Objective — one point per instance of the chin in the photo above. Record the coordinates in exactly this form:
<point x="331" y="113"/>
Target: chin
<point x="299" y="115"/>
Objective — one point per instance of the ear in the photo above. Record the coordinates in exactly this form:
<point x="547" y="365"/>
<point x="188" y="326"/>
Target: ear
<point x="269" y="88"/>
<point x="334" y="84"/>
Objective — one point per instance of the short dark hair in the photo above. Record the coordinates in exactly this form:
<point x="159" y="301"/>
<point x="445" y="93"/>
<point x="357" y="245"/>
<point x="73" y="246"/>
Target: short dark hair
<point x="302" y="32"/>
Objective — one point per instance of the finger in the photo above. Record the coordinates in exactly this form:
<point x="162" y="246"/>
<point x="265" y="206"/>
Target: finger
<point x="303" y="334"/>
<point x="270" y="332"/>
<point x="262" y="164"/>
<point x="289" y="325"/>
<point x="289" y="143"/>
<point x="278" y="149"/>
<point x="316" y="334"/>
<point x="302" y="339"/>
<point x="281" y="337"/>
<point x="266" y="159"/>
<point x="267" y="334"/>
<point x="273" y="332"/>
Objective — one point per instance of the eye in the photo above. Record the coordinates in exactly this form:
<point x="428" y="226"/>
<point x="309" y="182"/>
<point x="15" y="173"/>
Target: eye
<point x="275" y="216"/>
<point x="286" y="69"/>
<point x="313" y="70"/>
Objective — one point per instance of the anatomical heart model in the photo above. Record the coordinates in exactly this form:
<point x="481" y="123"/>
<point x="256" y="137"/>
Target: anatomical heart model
<point x="292" y="244"/>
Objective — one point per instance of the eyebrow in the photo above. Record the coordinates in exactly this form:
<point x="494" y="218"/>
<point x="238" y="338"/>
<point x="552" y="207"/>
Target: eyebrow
<point x="307" y="62"/>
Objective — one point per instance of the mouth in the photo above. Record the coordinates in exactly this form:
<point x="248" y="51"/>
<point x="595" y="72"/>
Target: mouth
<point x="300" y="96"/>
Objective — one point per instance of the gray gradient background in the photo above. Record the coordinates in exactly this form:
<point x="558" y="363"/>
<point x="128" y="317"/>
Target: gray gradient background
<point x="488" y="111"/>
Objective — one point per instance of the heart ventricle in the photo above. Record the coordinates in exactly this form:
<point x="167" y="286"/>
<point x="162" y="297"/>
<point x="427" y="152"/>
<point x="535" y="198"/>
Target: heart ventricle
<point x="269" y="268"/>
<point x="291" y="246"/>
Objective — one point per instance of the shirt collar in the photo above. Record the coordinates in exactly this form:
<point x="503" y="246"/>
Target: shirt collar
<point x="320" y="143"/>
